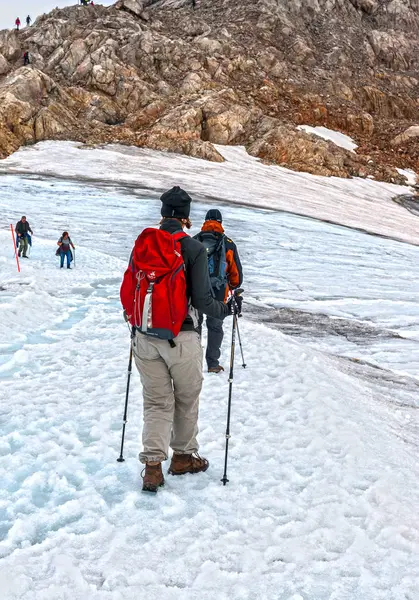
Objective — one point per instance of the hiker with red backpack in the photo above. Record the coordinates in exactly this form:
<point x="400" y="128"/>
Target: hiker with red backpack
<point x="226" y="274"/>
<point x="17" y="23"/>
<point x="164" y="289"/>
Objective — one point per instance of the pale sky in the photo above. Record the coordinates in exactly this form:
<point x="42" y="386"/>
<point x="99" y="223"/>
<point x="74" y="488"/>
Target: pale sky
<point x="22" y="8"/>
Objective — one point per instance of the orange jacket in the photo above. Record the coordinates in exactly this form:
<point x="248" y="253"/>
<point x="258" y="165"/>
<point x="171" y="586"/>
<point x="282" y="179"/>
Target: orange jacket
<point x="234" y="267"/>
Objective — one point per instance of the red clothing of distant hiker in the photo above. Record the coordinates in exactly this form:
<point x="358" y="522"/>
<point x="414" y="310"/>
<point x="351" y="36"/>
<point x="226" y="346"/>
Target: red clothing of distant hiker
<point x="17" y="23"/>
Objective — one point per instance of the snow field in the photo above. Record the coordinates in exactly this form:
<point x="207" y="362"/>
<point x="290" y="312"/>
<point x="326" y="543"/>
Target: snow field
<point x="323" y="497"/>
<point x="243" y="179"/>
<point x="321" y="500"/>
<point x="368" y="284"/>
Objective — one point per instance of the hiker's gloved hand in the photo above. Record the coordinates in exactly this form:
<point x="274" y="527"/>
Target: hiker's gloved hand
<point x="234" y="305"/>
<point x="126" y="317"/>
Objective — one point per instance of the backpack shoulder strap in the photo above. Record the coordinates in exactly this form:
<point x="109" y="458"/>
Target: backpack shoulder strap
<point x="179" y="235"/>
<point x="221" y="242"/>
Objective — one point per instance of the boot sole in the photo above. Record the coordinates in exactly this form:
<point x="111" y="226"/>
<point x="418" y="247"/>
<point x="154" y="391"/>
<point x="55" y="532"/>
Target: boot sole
<point x="186" y="472"/>
<point x="152" y="488"/>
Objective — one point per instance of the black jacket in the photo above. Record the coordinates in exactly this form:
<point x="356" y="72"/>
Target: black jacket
<point x="197" y="278"/>
<point x="23" y="228"/>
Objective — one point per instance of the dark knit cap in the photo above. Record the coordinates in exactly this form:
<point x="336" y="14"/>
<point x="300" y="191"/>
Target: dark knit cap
<point x="176" y="203"/>
<point x="214" y="215"/>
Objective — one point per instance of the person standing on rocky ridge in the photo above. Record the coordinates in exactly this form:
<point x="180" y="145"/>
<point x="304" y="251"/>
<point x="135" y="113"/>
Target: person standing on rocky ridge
<point x="28" y="21"/>
<point x="17" y="23"/>
<point x="26" y="60"/>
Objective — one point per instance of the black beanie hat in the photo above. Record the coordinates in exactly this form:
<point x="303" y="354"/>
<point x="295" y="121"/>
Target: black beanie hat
<point x="176" y="203"/>
<point x="214" y="215"/>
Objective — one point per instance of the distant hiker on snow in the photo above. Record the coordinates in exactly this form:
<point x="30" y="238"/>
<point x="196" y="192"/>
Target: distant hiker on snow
<point x="17" y="23"/>
<point x="23" y="239"/>
<point x="26" y="60"/>
<point x="165" y="286"/>
<point x="225" y="272"/>
<point x="64" y="249"/>
<point x="28" y="21"/>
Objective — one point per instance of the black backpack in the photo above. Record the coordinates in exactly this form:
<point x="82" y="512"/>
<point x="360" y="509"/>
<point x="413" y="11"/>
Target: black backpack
<point x="217" y="263"/>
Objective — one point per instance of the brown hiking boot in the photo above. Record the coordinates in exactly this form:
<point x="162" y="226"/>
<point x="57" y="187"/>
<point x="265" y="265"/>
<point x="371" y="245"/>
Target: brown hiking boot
<point x="187" y="463"/>
<point x="152" y="478"/>
<point x="216" y="369"/>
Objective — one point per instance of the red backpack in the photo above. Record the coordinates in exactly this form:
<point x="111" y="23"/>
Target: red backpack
<point x="153" y="291"/>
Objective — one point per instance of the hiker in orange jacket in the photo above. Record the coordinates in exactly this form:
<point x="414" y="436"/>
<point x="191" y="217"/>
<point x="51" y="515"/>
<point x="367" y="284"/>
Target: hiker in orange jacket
<point x="225" y="274"/>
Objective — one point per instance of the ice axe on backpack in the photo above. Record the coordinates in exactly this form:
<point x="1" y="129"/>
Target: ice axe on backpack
<point x="236" y="315"/>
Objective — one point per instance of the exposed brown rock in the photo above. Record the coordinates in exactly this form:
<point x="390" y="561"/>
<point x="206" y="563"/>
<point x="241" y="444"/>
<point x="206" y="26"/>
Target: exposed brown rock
<point x="411" y="133"/>
<point x="162" y="75"/>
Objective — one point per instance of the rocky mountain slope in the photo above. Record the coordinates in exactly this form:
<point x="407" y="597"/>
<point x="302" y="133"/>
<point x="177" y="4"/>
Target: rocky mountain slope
<point x="164" y="75"/>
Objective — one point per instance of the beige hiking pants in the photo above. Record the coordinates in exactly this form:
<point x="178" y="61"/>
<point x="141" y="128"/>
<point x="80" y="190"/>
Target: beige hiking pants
<point x="172" y="382"/>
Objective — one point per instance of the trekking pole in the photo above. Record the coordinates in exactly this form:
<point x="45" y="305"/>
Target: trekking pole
<point x="74" y="257"/>
<point x="240" y="344"/>
<point x="230" y="381"/>
<point x="15" y="247"/>
<point x="124" y="421"/>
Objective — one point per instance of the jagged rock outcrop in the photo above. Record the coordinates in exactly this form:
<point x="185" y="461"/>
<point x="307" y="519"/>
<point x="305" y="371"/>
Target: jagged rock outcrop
<point x="157" y="73"/>
<point x="410" y="134"/>
<point x="408" y="142"/>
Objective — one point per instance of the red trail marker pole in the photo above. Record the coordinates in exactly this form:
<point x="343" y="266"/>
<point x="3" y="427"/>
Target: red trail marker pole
<point x="14" y="244"/>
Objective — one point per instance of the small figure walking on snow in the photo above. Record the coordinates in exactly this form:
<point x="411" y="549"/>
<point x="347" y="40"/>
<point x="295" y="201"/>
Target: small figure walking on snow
<point x="24" y="240"/>
<point x="17" y="23"/>
<point x="26" y="59"/>
<point x="28" y="21"/>
<point x="64" y="249"/>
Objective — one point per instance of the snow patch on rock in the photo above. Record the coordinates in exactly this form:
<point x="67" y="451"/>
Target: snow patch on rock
<point x="338" y="138"/>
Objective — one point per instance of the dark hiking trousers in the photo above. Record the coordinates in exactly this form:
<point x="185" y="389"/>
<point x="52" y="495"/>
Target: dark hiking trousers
<point x="215" y="339"/>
